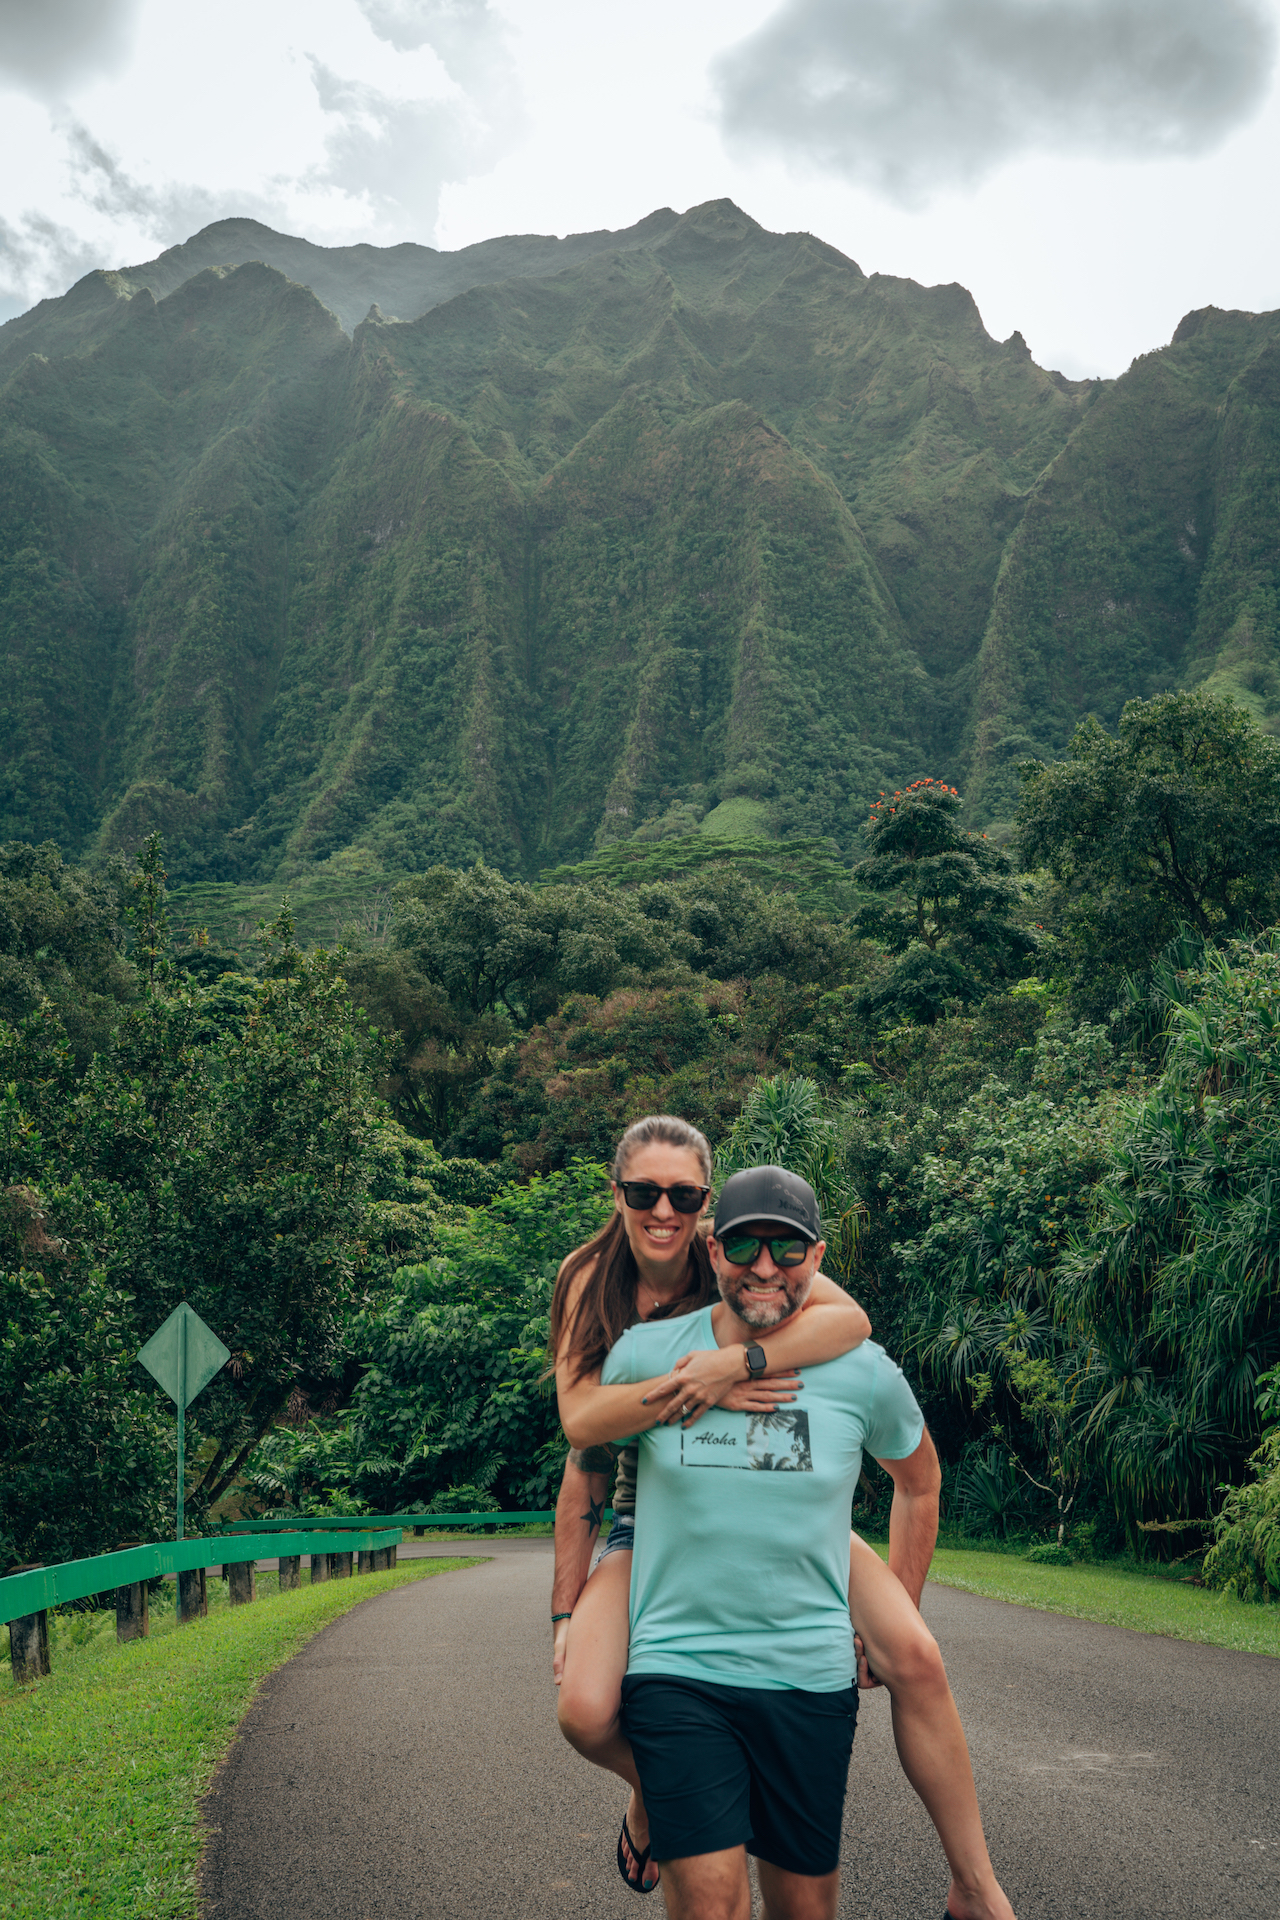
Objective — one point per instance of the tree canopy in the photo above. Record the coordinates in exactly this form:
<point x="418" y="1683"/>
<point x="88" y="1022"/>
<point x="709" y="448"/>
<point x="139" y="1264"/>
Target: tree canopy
<point x="1173" y="821"/>
<point x="946" y="902"/>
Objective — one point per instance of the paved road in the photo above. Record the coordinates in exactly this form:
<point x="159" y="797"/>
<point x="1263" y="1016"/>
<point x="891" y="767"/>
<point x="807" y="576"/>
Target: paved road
<point x="407" y="1763"/>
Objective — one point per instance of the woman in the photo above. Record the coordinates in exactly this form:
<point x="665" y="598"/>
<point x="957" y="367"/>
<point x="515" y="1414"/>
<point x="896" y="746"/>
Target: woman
<point x="650" y="1261"/>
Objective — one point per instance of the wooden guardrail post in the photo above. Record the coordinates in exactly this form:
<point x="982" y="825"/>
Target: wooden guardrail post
<point x="340" y="1564"/>
<point x="290" y="1565"/>
<point x="319" y="1568"/>
<point x="241" y="1585"/>
<point x="132" y="1618"/>
<point x="29" y="1639"/>
<point x="367" y="1562"/>
<point x="193" y="1596"/>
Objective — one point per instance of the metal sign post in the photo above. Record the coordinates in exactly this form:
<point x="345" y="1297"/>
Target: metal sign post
<point x="183" y="1355"/>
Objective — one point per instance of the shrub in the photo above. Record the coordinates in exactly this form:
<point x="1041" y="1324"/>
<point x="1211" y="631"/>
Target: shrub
<point x="1050" y="1553"/>
<point x="1245" y="1556"/>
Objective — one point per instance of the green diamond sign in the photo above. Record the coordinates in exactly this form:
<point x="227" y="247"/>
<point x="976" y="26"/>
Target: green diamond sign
<point x="183" y="1356"/>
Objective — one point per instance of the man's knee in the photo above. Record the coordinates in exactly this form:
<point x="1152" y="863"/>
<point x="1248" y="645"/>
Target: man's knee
<point x="708" y="1886"/>
<point x="794" y="1896"/>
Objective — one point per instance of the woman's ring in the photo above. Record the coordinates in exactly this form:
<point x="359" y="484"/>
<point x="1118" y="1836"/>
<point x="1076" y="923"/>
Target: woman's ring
<point x="685" y="1407"/>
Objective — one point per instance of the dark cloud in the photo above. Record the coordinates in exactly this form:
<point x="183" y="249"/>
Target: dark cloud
<point x="168" y="213"/>
<point x="46" y="44"/>
<point x="910" y="95"/>
<point x="37" y="253"/>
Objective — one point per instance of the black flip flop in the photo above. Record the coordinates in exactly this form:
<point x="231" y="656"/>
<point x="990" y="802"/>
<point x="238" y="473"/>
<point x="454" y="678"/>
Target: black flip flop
<point x="641" y="1856"/>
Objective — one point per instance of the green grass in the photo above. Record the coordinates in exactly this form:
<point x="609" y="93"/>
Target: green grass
<point x="102" y="1765"/>
<point x="1119" y="1596"/>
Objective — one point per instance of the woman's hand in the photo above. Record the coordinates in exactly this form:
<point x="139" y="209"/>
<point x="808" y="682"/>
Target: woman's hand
<point x="713" y="1377"/>
<point x="762" y="1396"/>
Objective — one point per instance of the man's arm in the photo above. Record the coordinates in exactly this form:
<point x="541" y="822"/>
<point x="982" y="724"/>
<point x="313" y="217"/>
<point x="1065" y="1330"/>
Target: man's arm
<point x="579" y="1510"/>
<point x="913" y="1517"/>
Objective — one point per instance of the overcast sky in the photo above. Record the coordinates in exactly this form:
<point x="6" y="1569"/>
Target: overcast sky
<point x="1090" y="169"/>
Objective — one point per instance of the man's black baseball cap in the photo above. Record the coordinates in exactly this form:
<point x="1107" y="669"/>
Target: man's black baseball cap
<point x="768" y="1193"/>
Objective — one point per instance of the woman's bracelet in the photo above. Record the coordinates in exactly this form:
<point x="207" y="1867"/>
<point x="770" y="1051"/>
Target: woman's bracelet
<point x="560" y="1616"/>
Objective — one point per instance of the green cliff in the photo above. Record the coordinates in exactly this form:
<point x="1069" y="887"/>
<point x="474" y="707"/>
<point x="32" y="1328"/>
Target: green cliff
<point x="623" y="533"/>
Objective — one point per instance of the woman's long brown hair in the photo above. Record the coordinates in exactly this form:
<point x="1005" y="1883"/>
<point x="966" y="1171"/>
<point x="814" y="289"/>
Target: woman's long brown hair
<point x="607" y="1304"/>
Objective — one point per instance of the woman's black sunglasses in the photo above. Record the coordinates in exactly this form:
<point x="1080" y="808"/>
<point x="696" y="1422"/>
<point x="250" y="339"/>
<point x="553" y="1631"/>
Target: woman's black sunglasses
<point x="684" y="1196"/>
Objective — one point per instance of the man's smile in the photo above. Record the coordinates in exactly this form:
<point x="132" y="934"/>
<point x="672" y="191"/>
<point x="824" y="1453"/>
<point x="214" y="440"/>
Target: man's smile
<point x="763" y="1290"/>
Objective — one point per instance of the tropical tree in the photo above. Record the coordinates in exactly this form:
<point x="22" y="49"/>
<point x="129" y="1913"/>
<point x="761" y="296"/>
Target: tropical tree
<point x="1011" y="1179"/>
<point x="62" y="940"/>
<point x="783" y="1124"/>
<point x="946" y="904"/>
<point x="1245" y="1555"/>
<point x="226" y="1149"/>
<point x="1175" y="1289"/>
<point x="1174" y="822"/>
<point x="454" y="1390"/>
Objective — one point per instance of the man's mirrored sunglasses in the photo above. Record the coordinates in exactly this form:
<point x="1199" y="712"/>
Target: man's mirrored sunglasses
<point x="740" y="1249"/>
<point x="684" y="1196"/>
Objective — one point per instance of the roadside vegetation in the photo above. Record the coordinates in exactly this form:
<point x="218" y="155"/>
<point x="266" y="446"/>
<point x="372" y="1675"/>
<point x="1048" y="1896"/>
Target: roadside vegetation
<point x="1034" y="1084"/>
<point x="103" y="1764"/>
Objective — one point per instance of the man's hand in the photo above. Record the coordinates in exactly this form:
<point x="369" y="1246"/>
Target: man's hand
<point x="559" y="1640"/>
<point x="578" y="1510"/>
<point x="866" y="1679"/>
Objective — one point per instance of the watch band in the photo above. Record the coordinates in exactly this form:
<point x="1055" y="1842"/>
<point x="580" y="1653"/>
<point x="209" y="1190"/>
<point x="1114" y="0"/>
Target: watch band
<point x="757" y="1360"/>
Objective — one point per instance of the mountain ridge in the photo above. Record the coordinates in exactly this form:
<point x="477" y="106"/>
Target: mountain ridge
<point x="700" y="517"/>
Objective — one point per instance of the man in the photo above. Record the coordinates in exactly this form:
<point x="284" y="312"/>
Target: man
<point x="739" y="1700"/>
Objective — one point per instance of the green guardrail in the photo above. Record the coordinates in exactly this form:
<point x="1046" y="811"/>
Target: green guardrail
<point x="399" y="1520"/>
<point x="42" y="1587"/>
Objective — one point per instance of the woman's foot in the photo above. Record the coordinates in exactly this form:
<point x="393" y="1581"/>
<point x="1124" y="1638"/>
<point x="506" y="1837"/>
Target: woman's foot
<point x="977" y="1903"/>
<point x="636" y="1826"/>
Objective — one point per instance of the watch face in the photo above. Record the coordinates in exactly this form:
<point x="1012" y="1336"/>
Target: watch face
<point x="757" y="1359"/>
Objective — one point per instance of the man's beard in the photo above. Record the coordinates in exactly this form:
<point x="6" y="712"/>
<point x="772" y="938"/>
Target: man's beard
<point x="753" y="1314"/>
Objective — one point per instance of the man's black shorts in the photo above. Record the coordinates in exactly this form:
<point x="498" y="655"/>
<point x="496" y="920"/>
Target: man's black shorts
<point x="741" y="1766"/>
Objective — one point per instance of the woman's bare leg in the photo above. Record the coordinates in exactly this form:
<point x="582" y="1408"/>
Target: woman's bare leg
<point x="902" y="1653"/>
<point x="591" y="1689"/>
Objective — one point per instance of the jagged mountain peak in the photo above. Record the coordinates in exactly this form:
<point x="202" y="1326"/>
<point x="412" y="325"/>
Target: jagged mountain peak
<point x="604" y="530"/>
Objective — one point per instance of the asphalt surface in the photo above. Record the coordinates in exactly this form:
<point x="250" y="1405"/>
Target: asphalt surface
<point x="407" y="1763"/>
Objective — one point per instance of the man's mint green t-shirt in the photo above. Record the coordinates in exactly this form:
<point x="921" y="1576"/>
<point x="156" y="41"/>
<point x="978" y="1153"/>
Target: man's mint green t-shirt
<point x="741" y="1567"/>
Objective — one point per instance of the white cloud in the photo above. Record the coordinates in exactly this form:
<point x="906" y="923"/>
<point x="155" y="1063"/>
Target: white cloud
<point x="347" y="122"/>
<point x="397" y="153"/>
<point x="909" y="95"/>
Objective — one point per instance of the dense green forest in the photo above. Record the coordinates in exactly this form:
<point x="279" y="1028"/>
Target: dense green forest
<point x="1035" y="1085"/>
<point x="694" y="528"/>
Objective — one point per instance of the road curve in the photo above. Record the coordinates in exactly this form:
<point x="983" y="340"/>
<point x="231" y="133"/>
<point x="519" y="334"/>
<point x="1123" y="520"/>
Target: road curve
<point x="406" y="1763"/>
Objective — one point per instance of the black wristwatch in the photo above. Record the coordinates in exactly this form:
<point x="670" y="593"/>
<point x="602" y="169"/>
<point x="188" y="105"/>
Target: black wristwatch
<point x="757" y="1360"/>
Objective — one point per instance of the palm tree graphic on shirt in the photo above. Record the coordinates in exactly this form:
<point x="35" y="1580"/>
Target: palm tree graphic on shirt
<point x="776" y="1442"/>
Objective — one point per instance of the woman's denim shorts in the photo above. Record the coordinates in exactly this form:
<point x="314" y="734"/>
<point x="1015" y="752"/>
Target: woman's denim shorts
<point x="622" y="1536"/>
